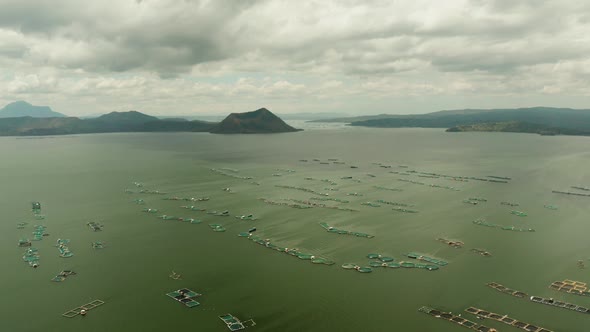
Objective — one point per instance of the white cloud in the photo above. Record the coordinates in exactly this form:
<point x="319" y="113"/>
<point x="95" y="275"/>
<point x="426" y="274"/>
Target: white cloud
<point x="201" y="55"/>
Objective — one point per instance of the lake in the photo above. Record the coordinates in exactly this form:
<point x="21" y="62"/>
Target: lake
<point x="83" y="178"/>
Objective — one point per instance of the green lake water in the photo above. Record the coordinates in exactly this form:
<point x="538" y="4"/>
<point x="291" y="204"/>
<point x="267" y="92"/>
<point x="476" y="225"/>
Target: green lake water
<point x="83" y="178"/>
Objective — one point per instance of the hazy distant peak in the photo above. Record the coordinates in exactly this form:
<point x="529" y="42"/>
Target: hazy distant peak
<point x="129" y="116"/>
<point x="22" y="108"/>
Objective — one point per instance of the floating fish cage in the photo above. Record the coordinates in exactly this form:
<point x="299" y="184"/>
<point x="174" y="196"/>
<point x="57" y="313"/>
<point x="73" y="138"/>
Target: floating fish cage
<point x="83" y="308"/>
<point x="31" y="257"/>
<point x="62" y="246"/>
<point x="63" y="275"/>
<point x="217" y="227"/>
<point x="98" y="245"/>
<point x="455" y="319"/>
<point x="290" y="251"/>
<point x="233" y="323"/>
<point x="570" y="286"/>
<point x="504" y="228"/>
<point x="506" y="320"/>
<point x="426" y="259"/>
<point x="95" y="226"/>
<point x="185" y="296"/>
<point x="344" y="232"/>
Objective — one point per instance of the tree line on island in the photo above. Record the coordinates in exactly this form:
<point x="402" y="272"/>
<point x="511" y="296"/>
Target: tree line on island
<point x="539" y="120"/>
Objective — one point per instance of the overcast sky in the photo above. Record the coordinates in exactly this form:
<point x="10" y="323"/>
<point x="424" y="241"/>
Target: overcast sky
<point x="172" y="57"/>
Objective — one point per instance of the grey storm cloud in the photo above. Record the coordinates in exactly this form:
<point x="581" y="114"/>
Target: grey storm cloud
<point x="354" y="37"/>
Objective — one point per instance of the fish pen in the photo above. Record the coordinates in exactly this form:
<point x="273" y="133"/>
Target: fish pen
<point x="31" y="257"/>
<point x="344" y="232"/>
<point x="539" y="299"/>
<point x="290" y="251"/>
<point x="427" y="259"/>
<point x="480" y="222"/>
<point x="185" y="296"/>
<point x="81" y="310"/>
<point x="456" y="319"/>
<point x="217" y="227"/>
<point x="95" y="226"/>
<point x="506" y="320"/>
<point x="482" y="252"/>
<point x="232" y="322"/>
<point x="63" y="275"/>
<point x="572" y="287"/>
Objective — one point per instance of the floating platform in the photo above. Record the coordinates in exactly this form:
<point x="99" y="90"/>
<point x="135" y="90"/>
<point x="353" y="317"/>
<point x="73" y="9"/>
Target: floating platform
<point x="62" y="246"/>
<point x="572" y="287"/>
<point x="95" y="226"/>
<point x="569" y="193"/>
<point x="482" y="252"/>
<point x="393" y="203"/>
<point x="185" y="296"/>
<point x="31" y="256"/>
<point x="344" y="232"/>
<point x="98" y="245"/>
<point x="217" y="227"/>
<point x="63" y="275"/>
<point x="371" y="204"/>
<point x="400" y="209"/>
<point x="518" y="213"/>
<point x="560" y="304"/>
<point x="290" y="251"/>
<point x="456" y="319"/>
<point x="427" y="259"/>
<point x="480" y="222"/>
<point x="541" y="300"/>
<point x="507" y="290"/>
<point x="87" y="307"/>
<point x="234" y="324"/>
<point x="506" y="320"/>
<point x="452" y="243"/>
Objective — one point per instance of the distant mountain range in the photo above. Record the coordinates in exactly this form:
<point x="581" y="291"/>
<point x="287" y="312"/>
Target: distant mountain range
<point x="260" y="121"/>
<point x="22" y="108"/>
<point x="560" y="121"/>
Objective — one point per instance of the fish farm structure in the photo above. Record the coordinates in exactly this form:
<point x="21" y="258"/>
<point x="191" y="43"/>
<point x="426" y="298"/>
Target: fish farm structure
<point x="456" y="319"/>
<point x="572" y="287"/>
<point x="506" y="320"/>
<point x="290" y="251"/>
<point x="234" y="324"/>
<point x="344" y="232"/>
<point x="63" y="275"/>
<point x="185" y="296"/>
<point x="83" y="308"/>
<point x="426" y="259"/>
<point x="541" y="300"/>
